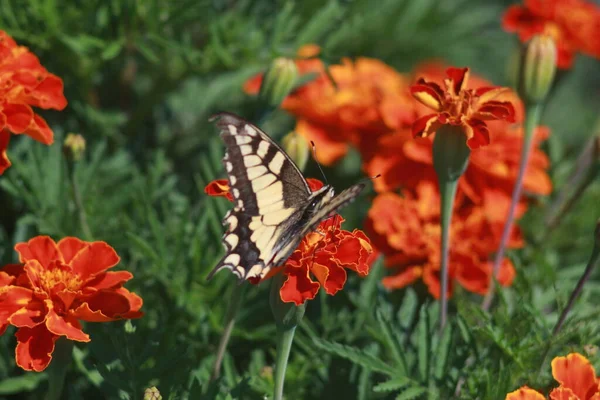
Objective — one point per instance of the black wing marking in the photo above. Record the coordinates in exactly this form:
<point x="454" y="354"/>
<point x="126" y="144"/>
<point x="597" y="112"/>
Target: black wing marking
<point x="269" y="194"/>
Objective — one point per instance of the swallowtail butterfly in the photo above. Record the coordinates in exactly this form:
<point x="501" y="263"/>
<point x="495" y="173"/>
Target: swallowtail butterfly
<point x="274" y="207"/>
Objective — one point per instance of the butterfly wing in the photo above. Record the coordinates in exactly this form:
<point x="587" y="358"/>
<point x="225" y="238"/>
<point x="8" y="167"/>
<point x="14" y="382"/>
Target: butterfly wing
<point x="269" y="192"/>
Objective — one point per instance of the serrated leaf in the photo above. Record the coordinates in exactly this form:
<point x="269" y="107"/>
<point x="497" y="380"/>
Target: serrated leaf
<point x="442" y="352"/>
<point x="412" y="393"/>
<point x="392" y="343"/>
<point x="423" y="344"/>
<point x="355" y="355"/>
<point x="393" y="385"/>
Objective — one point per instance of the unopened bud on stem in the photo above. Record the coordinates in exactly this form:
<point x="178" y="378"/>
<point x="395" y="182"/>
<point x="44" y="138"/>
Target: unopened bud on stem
<point x="537" y="69"/>
<point x="278" y="81"/>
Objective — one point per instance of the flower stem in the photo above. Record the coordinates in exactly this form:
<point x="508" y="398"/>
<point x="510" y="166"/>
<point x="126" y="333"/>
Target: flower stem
<point x="287" y="317"/>
<point x="237" y="297"/>
<point x="57" y="370"/>
<point x="87" y="232"/>
<point x="532" y="119"/>
<point x="447" y="193"/>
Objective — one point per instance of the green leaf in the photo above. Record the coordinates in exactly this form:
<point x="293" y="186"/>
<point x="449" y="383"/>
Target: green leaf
<point x="423" y="344"/>
<point x="355" y="355"/>
<point x="23" y="383"/>
<point x="443" y="350"/>
<point x="412" y="393"/>
<point x="392" y="343"/>
<point x="393" y="385"/>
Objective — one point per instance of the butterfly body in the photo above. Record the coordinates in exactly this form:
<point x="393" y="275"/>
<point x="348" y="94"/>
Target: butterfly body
<point x="274" y="207"/>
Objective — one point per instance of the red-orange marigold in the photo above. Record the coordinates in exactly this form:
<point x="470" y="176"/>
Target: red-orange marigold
<point x="24" y="83"/>
<point x="56" y="286"/>
<point x="457" y="105"/>
<point x="573" y="24"/>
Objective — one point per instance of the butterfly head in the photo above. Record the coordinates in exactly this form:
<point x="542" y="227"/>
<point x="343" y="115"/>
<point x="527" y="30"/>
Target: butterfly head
<point x="319" y="198"/>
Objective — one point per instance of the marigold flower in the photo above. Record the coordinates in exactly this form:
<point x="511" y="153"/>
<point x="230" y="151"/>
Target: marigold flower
<point x="406" y="230"/>
<point x="369" y="98"/>
<point x="56" y="286"/>
<point x="459" y="106"/>
<point x="573" y="24"/>
<point x="577" y="379"/>
<point x="218" y="188"/>
<point x="324" y="254"/>
<point x="24" y="83"/>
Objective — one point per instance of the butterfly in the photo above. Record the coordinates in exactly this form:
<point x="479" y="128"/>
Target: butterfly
<point x="274" y="207"/>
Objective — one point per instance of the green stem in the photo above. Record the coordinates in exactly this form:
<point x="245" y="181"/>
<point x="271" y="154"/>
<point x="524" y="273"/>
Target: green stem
<point x="447" y="193"/>
<point x="287" y="317"/>
<point x="87" y="232"/>
<point x="57" y="370"/>
<point x="532" y="119"/>
<point x="237" y="296"/>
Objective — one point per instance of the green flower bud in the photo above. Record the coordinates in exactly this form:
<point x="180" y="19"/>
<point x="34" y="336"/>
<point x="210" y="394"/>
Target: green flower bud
<point x="297" y="148"/>
<point x="450" y="153"/>
<point x="279" y="79"/>
<point x="537" y="69"/>
<point x="152" y="394"/>
<point x="74" y="146"/>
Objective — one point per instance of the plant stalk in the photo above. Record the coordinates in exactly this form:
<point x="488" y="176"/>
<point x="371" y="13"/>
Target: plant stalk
<point x="237" y="296"/>
<point x="85" y="227"/>
<point x="447" y="193"/>
<point x="57" y="370"/>
<point x="534" y="112"/>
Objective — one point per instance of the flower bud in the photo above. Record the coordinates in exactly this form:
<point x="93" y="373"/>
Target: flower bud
<point x="450" y="153"/>
<point x="537" y="69"/>
<point x="297" y="148"/>
<point x="152" y="394"/>
<point x="74" y="146"/>
<point x="279" y="79"/>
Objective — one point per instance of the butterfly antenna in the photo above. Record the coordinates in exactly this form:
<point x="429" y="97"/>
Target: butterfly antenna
<point x="314" y="150"/>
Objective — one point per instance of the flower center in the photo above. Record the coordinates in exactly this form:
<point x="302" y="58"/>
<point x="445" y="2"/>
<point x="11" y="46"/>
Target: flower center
<point x="50" y="278"/>
<point x="458" y="105"/>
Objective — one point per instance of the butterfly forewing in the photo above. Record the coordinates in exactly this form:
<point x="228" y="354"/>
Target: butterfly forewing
<point x="273" y="204"/>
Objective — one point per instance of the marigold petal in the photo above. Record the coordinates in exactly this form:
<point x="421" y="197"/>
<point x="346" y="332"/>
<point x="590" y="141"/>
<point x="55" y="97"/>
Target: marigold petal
<point x="34" y="348"/>
<point x="429" y="94"/>
<point x="331" y="276"/>
<point x="477" y="133"/>
<point x="107" y="280"/>
<point x="4" y="139"/>
<point x="525" y="393"/>
<point x="425" y="125"/>
<point x="69" y="247"/>
<point x="298" y="287"/>
<point x="40" y="248"/>
<point x="39" y="130"/>
<point x="34" y="313"/>
<point x="330" y="145"/>
<point x="18" y="117"/>
<point x="405" y="276"/>
<point x="97" y="257"/>
<point x="574" y="372"/>
<point x="12" y="299"/>
<point x="491" y="110"/>
<point x="563" y="393"/>
<point x="65" y="326"/>
<point x="314" y="184"/>
<point x="49" y="93"/>
<point x="110" y="304"/>
<point x="218" y="188"/>
<point x="459" y="77"/>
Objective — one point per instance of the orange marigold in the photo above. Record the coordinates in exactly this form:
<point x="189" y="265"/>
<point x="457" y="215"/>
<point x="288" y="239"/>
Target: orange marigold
<point x="460" y="106"/>
<point x="577" y="379"/>
<point x="24" y="83"/>
<point x="325" y="254"/>
<point x="573" y="24"/>
<point x="56" y="286"/>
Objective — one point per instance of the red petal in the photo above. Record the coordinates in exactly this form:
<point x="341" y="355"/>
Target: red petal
<point x="49" y="93"/>
<point x="110" y="303"/>
<point x="94" y="259"/>
<point x="428" y="93"/>
<point x="574" y="372"/>
<point x="298" y="286"/>
<point x="404" y="277"/>
<point x="459" y="78"/>
<point x="34" y="313"/>
<point x="70" y="246"/>
<point x="12" y="299"/>
<point x="477" y="134"/>
<point x="496" y="110"/>
<point x="108" y="280"/>
<point x="525" y="393"/>
<point x="39" y="130"/>
<point x="218" y="187"/>
<point x="65" y="326"/>
<point x="331" y="275"/>
<point x="34" y="348"/>
<point x="40" y="248"/>
<point x="18" y="117"/>
<point x="425" y="125"/>
<point x="314" y="184"/>
<point x="563" y="393"/>
<point x="4" y="139"/>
